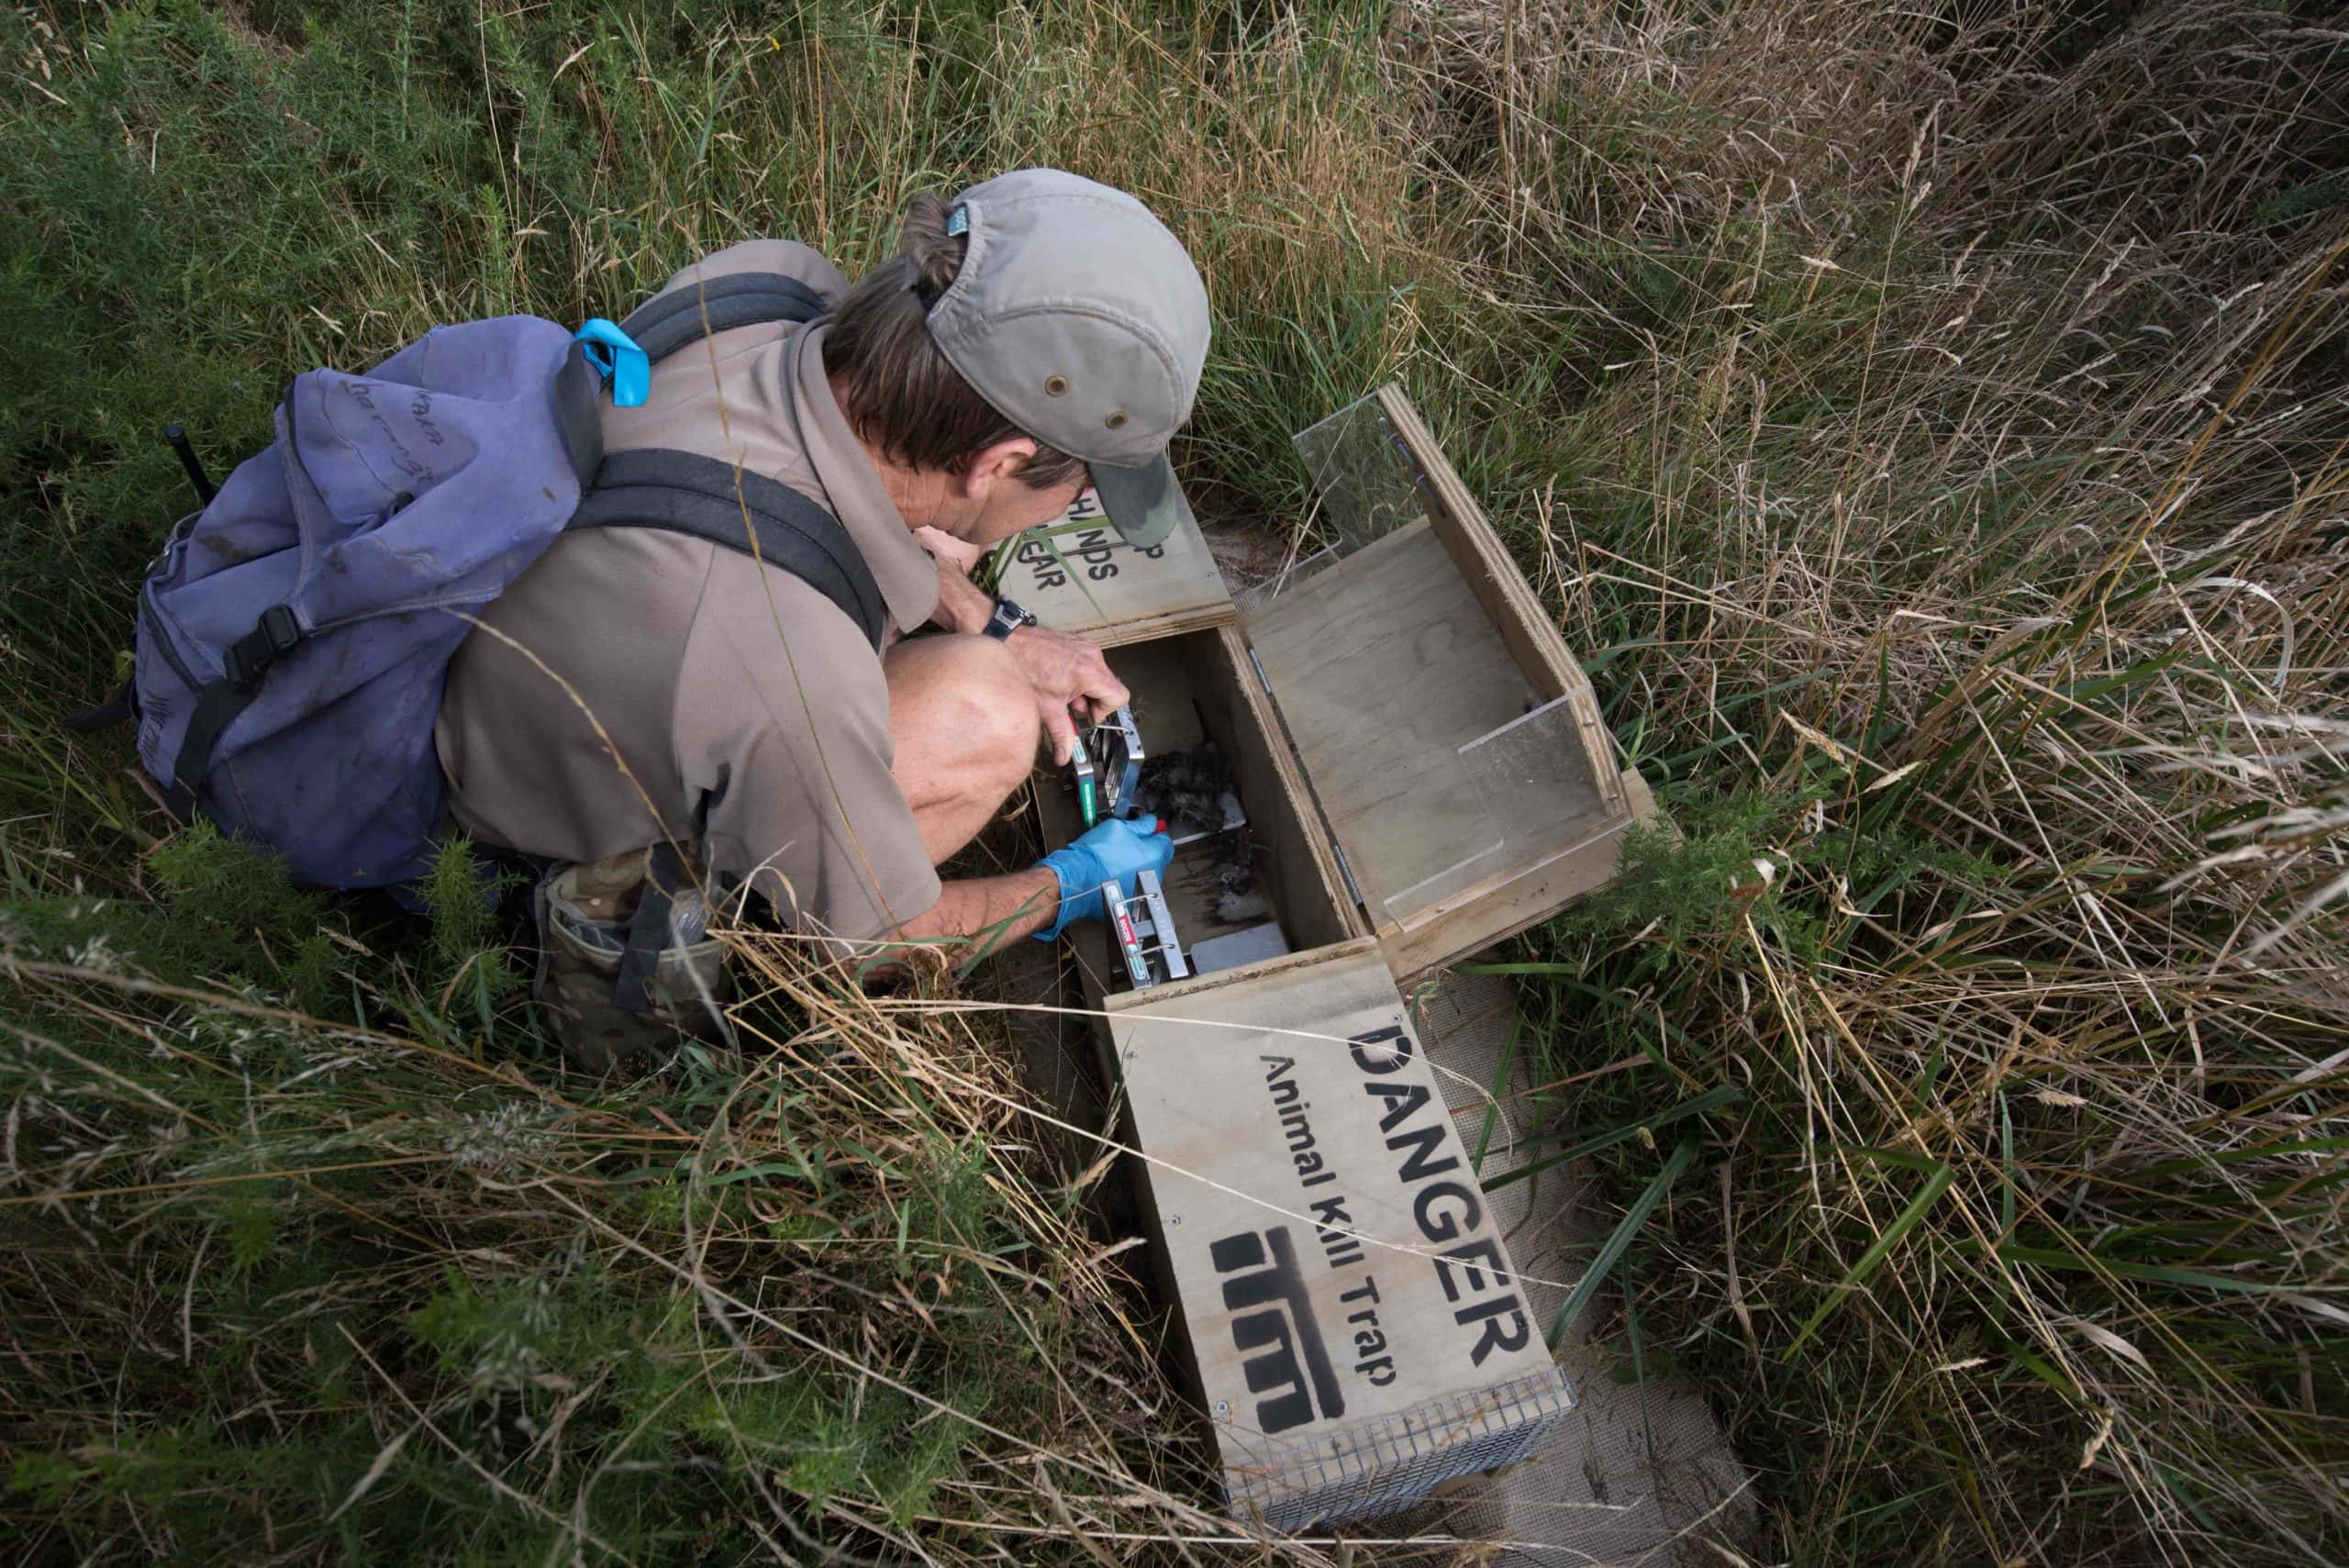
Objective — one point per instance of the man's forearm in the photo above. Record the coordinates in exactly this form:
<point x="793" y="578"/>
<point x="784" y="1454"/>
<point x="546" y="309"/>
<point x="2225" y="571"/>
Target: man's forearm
<point x="962" y="605"/>
<point x="990" y="911"/>
<point x="977" y="916"/>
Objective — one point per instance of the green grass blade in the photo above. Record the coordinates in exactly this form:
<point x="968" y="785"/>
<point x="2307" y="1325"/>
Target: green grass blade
<point x="1927" y="1196"/>
<point x="1711" y="1099"/>
<point x="2151" y="1273"/>
<point x="1618" y="1241"/>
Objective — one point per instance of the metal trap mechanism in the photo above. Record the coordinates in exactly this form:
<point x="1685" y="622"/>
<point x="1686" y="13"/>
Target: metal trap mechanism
<point x="1146" y="932"/>
<point x="1116" y="747"/>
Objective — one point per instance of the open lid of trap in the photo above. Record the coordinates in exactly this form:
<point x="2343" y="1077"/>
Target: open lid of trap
<point x="1451" y="742"/>
<point x="1081" y="578"/>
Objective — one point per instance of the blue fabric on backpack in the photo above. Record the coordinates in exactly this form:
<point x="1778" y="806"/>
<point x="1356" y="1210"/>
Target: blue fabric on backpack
<point x="343" y="562"/>
<point x="627" y="367"/>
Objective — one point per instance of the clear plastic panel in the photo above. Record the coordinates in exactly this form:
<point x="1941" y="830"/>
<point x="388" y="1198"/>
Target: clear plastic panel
<point x="1249" y="596"/>
<point x="1515" y="773"/>
<point x="1434" y="835"/>
<point x="1364" y="478"/>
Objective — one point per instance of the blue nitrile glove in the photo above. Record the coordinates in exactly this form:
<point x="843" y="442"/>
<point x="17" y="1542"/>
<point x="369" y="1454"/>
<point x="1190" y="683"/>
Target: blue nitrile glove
<point x="1120" y="849"/>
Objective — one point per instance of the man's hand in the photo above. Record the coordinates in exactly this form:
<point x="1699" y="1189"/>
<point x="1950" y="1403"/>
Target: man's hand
<point x="1117" y="851"/>
<point x="1065" y="885"/>
<point x="1067" y="672"/>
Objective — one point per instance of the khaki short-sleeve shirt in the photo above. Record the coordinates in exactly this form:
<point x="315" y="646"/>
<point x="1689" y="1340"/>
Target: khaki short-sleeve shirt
<point x="636" y="684"/>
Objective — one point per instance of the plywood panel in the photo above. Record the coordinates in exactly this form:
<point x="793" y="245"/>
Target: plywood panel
<point x="1316" y="907"/>
<point x="1483" y="562"/>
<point x="1346" y="1296"/>
<point x="1162" y="676"/>
<point x="1080" y="577"/>
<point x="1384" y="666"/>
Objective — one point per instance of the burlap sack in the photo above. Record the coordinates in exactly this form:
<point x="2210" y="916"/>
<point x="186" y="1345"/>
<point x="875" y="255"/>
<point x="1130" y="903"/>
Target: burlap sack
<point x="583" y="912"/>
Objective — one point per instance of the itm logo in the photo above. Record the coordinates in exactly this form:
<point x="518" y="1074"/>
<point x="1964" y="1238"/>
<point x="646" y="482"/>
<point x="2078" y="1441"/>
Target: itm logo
<point x="1273" y="1326"/>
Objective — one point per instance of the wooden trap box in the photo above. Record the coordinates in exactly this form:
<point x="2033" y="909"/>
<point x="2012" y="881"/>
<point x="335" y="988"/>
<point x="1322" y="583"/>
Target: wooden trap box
<point x="1423" y="770"/>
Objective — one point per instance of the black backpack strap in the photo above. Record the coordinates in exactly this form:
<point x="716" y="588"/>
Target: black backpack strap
<point x="217" y="704"/>
<point x="578" y="395"/>
<point x="119" y="708"/>
<point x="704" y="499"/>
<point x="694" y="311"/>
<point x="648" y="933"/>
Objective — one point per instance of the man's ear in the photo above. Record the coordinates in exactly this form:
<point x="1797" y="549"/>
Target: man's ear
<point x="994" y="465"/>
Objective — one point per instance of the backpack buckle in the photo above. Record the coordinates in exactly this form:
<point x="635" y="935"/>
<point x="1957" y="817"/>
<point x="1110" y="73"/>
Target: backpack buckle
<point x="618" y="360"/>
<point x="276" y="634"/>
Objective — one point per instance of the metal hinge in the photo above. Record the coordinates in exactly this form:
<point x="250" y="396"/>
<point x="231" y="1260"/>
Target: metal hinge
<point x="1262" y="679"/>
<point x="1348" y="872"/>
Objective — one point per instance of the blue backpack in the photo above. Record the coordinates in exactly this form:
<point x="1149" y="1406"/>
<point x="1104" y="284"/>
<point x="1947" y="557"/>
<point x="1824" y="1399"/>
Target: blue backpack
<point x="294" y="637"/>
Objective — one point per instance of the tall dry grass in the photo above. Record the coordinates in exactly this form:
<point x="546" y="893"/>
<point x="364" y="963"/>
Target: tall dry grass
<point x="1974" y="513"/>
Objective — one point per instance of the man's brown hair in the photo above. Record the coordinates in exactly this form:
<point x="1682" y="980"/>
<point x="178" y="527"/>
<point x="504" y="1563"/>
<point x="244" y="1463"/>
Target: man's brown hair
<point x="904" y="396"/>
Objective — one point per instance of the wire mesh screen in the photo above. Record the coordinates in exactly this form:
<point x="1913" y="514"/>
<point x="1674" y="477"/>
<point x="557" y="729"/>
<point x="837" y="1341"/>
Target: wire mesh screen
<point x="1382" y="1466"/>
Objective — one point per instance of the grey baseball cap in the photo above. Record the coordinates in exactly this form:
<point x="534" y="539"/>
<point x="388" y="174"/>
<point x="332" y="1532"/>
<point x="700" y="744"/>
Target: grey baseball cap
<point x="1080" y="318"/>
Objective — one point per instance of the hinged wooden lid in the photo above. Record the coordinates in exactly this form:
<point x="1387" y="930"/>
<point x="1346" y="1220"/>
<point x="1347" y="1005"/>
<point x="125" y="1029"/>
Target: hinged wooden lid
<point x="1453" y="743"/>
<point x="1081" y="578"/>
<point x="1358" y="1328"/>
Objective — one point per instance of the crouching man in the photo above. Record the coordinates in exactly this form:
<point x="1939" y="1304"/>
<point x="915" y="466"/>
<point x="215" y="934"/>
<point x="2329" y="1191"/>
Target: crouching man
<point x="639" y="689"/>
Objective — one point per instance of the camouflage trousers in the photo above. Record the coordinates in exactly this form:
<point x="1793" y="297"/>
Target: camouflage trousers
<point x="583" y="914"/>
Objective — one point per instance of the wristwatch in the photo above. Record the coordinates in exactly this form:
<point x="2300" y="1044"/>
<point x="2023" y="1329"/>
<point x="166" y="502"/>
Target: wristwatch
<point x="1010" y="616"/>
